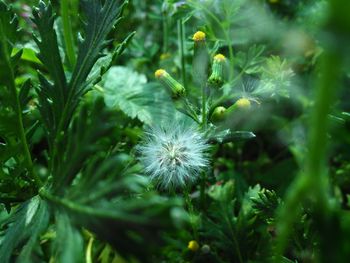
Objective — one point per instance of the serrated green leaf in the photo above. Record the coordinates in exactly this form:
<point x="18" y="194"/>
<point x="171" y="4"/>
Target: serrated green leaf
<point x="250" y="61"/>
<point x="52" y="97"/>
<point x="8" y="37"/>
<point x="24" y="226"/>
<point x="100" y="19"/>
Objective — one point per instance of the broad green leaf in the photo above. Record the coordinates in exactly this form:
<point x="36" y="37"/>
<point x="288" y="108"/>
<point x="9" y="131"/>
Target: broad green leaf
<point x="128" y="90"/>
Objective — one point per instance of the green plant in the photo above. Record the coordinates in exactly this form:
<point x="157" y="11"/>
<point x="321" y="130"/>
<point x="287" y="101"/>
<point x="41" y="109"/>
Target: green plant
<point x="82" y="182"/>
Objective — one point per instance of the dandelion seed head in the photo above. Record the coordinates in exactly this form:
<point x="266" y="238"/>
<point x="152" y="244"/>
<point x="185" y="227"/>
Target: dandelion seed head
<point x="173" y="157"/>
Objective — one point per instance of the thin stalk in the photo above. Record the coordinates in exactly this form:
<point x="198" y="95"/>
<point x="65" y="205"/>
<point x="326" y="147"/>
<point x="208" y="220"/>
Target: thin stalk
<point x="238" y="251"/>
<point x="181" y="40"/>
<point x="165" y="33"/>
<point x="68" y="33"/>
<point x="202" y="191"/>
<point x="191" y="213"/>
<point x="204" y="107"/>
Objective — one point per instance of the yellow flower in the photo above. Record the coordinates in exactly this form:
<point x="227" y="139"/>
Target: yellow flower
<point x="193" y="245"/>
<point x="199" y="36"/>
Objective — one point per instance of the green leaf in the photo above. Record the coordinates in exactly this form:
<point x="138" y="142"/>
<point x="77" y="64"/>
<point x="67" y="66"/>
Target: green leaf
<point x="227" y="135"/>
<point x="100" y="19"/>
<point x="81" y="142"/>
<point x="23" y="227"/>
<point x="69" y="244"/>
<point x="58" y="100"/>
<point x="129" y="91"/>
<point x="222" y="193"/>
<point x="52" y="96"/>
<point x="266" y="204"/>
<point x="8" y="37"/>
<point x="276" y="79"/>
<point x="250" y="61"/>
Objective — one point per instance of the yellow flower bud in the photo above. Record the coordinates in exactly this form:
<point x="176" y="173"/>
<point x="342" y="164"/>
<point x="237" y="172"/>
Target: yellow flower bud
<point x="243" y="103"/>
<point x="193" y="245"/>
<point x="217" y="76"/>
<point x="199" y="36"/>
<point x="164" y="77"/>
<point x="164" y="56"/>
<point x="160" y="73"/>
<point x="220" y="57"/>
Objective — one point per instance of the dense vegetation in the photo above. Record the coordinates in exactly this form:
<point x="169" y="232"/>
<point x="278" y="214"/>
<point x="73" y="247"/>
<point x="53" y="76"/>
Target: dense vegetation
<point x="174" y="131"/>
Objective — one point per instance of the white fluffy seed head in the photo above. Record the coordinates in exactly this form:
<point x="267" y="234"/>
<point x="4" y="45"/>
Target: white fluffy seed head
<point x="173" y="157"/>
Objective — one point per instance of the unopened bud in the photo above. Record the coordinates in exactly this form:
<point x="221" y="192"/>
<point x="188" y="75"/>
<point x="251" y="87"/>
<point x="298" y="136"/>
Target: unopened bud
<point x="164" y="77"/>
<point x="200" y="59"/>
<point x="193" y="245"/>
<point x="218" y="68"/>
<point x="218" y="114"/>
<point x="205" y="249"/>
<point x="242" y="104"/>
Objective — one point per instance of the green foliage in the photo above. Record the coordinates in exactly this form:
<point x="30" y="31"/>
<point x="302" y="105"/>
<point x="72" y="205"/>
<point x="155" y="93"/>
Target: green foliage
<point x="86" y="183"/>
<point x="78" y="91"/>
<point x="130" y="92"/>
<point x="25" y="225"/>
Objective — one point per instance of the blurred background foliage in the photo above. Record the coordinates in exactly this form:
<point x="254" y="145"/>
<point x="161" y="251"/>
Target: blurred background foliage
<point x="108" y="212"/>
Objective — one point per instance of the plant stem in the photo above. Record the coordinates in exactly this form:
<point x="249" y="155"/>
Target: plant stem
<point x="204" y="107"/>
<point x="313" y="182"/>
<point x="68" y="33"/>
<point x="181" y="40"/>
<point x="165" y="32"/>
<point x="191" y="213"/>
<point x="202" y="191"/>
